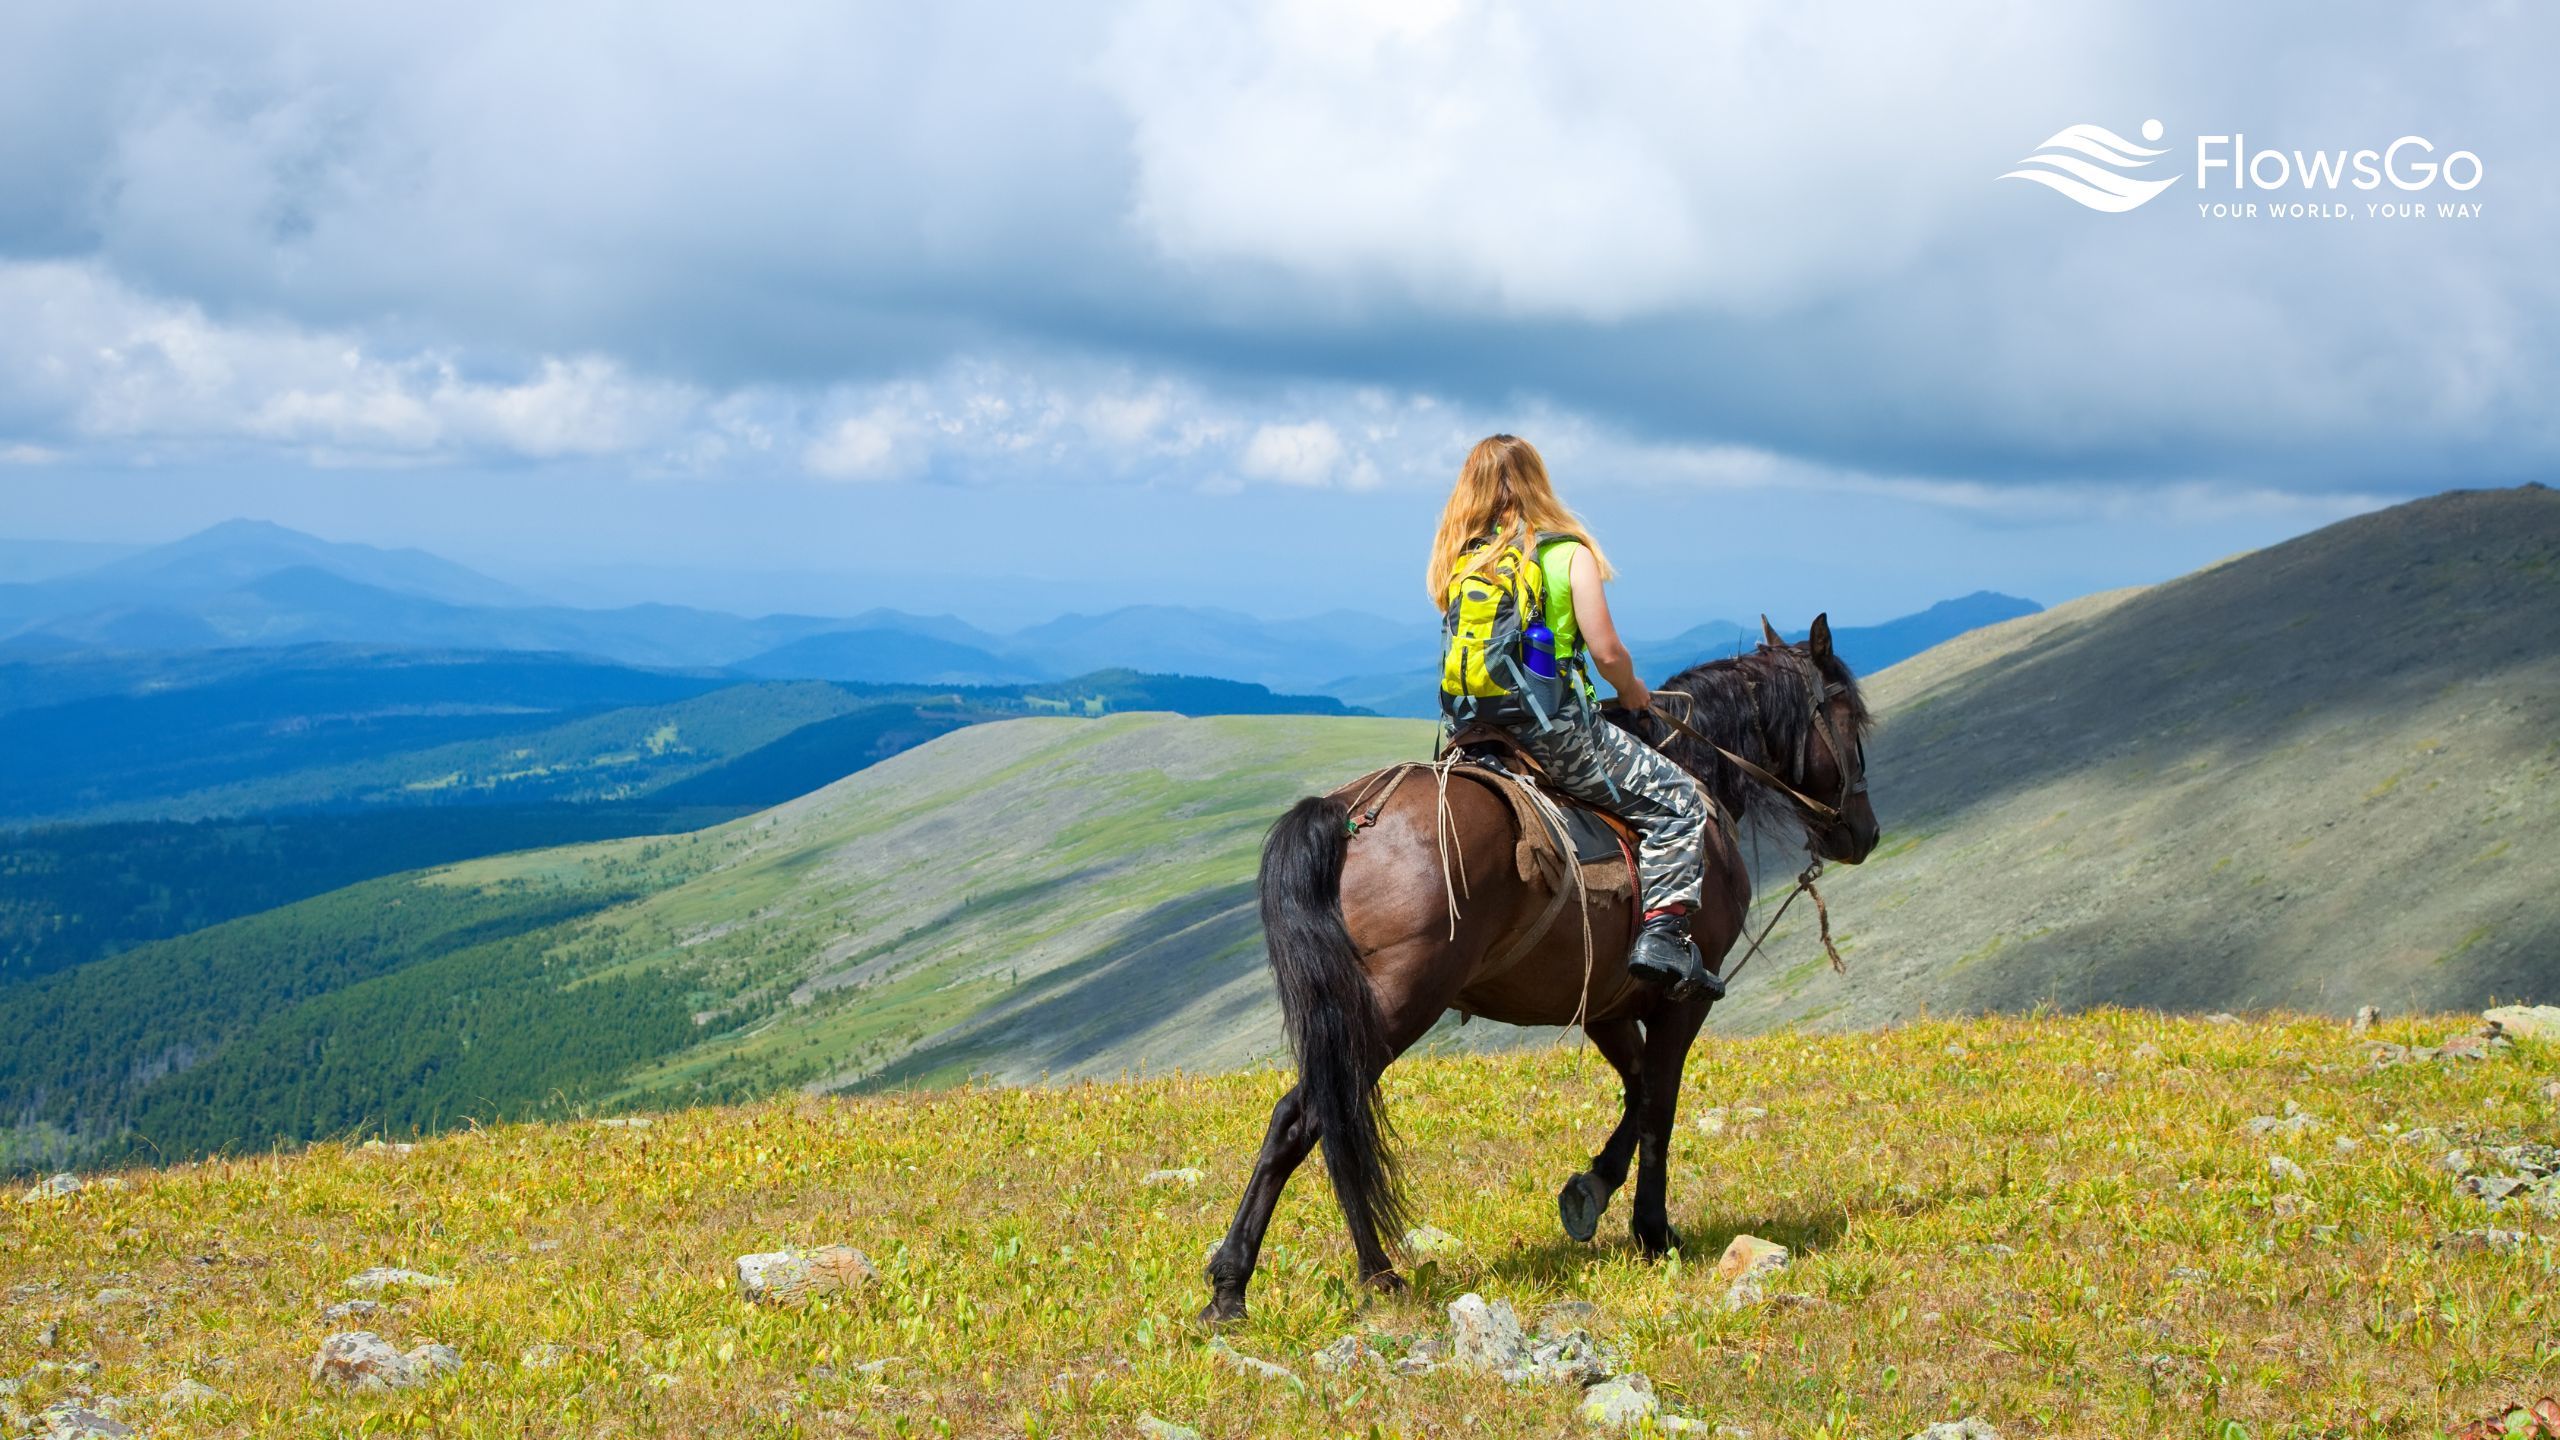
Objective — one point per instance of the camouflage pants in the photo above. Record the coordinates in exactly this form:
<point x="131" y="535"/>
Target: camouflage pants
<point x="1585" y="755"/>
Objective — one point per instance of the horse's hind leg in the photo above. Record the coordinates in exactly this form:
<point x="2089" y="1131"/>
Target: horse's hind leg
<point x="1586" y="1196"/>
<point x="1667" y="1036"/>
<point x="1284" y="1145"/>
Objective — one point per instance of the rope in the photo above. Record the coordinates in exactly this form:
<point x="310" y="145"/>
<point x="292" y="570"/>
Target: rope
<point x="1804" y="886"/>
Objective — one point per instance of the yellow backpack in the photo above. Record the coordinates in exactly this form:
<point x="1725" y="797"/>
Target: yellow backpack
<point x="1484" y="641"/>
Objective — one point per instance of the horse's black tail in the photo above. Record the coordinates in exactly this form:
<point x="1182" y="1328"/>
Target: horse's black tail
<point x="1334" y="1025"/>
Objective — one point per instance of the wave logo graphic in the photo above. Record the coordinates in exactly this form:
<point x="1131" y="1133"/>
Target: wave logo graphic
<point x="2096" y="167"/>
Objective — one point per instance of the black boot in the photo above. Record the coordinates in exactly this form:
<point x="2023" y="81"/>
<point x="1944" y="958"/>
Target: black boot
<point x="1665" y="956"/>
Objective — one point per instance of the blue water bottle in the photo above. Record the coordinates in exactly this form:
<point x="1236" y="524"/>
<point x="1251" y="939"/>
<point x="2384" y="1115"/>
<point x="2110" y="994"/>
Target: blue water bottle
<point x="1542" y="649"/>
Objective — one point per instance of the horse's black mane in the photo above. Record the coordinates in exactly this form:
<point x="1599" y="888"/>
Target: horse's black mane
<point x="1758" y="706"/>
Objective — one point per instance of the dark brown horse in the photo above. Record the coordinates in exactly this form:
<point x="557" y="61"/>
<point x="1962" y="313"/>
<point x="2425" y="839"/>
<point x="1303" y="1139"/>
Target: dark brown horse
<point x="1368" y="953"/>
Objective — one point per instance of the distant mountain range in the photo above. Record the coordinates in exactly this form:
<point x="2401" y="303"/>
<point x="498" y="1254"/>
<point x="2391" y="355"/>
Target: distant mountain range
<point x="2315" y="776"/>
<point x="252" y="584"/>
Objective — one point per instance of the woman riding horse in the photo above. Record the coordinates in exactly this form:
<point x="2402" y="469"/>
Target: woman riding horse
<point x="1377" y="926"/>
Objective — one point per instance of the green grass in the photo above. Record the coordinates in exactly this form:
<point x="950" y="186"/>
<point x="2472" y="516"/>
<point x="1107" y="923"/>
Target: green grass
<point x="1985" y="1223"/>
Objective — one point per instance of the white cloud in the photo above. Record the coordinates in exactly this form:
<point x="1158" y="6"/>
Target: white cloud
<point x="1306" y="453"/>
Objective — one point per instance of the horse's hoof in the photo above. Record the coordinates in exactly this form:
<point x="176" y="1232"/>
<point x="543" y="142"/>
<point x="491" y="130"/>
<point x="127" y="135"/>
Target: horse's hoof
<point x="1386" y="1282"/>
<point x="1223" y="1310"/>
<point x="1655" y="1246"/>
<point x="1579" y="1205"/>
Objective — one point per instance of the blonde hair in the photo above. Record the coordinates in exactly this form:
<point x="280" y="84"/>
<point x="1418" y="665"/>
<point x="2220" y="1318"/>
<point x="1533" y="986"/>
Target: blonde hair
<point x="1502" y="490"/>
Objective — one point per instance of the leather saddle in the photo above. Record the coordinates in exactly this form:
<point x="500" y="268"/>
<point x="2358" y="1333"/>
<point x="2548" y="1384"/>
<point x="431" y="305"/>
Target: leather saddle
<point x="1595" y="834"/>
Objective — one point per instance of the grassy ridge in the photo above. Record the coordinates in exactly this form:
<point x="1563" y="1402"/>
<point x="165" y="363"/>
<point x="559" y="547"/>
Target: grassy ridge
<point x="2062" y="1226"/>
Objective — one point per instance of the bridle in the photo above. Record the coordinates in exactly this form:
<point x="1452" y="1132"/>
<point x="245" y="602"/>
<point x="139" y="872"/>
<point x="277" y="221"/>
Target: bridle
<point x="1853" y="781"/>
<point x="1822" y="691"/>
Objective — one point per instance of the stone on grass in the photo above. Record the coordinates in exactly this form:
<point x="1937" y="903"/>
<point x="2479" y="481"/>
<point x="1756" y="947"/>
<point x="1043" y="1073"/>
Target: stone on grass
<point x="1565" y="1315"/>
<point x="1424" y="1241"/>
<point x="1187" y="1176"/>
<point x="2147" y="1051"/>
<point x="1570" y="1358"/>
<point x="2367" y="1016"/>
<point x="363" y="1361"/>
<point x="1620" y="1404"/>
<point x="627" y="1122"/>
<point x="189" y="1393"/>
<point x="2283" y="1168"/>
<point x="2294" y="1122"/>
<point x="1485" y="1336"/>
<point x="1423" y="1356"/>
<point x="1966" y="1429"/>
<point x="1348" y="1354"/>
<point x="385" y="1277"/>
<point x="1750" y="1257"/>
<point x="115" y="1295"/>
<point x="791" y="1277"/>
<point x="350" y="1309"/>
<point x="1155" y="1429"/>
<point x="2497" y="1242"/>
<point x="1243" y="1364"/>
<point x="2222" y="1017"/>
<point x="2551" y="1091"/>
<point x="53" y="1187"/>
<point x="72" y="1420"/>
<point x="545" y="1356"/>
<point x="2533" y="1022"/>
<point x="2493" y="1188"/>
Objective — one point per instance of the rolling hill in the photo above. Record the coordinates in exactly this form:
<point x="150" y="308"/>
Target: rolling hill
<point x="2319" y="776"/>
<point x="1062" y="896"/>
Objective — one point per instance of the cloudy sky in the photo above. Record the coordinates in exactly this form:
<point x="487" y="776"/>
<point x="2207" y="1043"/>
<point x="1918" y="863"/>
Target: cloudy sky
<point x="1002" y="306"/>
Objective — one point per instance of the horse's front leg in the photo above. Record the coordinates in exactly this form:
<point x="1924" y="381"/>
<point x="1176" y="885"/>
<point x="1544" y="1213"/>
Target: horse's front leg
<point x="1667" y="1036"/>
<point x="1284" y="1145"/>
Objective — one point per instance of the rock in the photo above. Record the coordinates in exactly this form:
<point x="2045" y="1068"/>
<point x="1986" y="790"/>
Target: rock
<point x="71" y="1420"/>
<point x="1423" y="1356"/>
<point x="1485" y="1337"/>
<point x="545" y="1356"/>
<point x="1749" y="1257"/>
<point x="2284" y="1169"/>
<point x="1965" y="1429"/>
<point x="2344" y="1144"/>
<point x="1572" y="1358"/>
<point x="1348" y="1354"/>
<point x="53" y="1187"/>
<point x="1187" y="1176"/>
<point x="1429" y="1240"/>
<point x="2296" y="1123"/>
<point x="2533" y="1022"/>
<point x="189" y="1393"/>
<point x="2531" y="1159"/>
<point x="2146" y="1051"/>
<point x="2367" y="1016"/>
<point x="2493" y="1188"/>
<point x="351" y="1310"/>
<point x="1745" y="1293"/>
<point x="2222" y="1017"/>
<point x="434" y="1359"/>
<point x="384" y="1277"/>
<point x="2498" y="1242"/>
<point x="1156" y="1429"/>
<point x="791" y="1277"/>
<point x="361" y="1360"/>
<point x="2457" y="1161"/>
<point x="1243" y="1364"/>
<point x="2290" y="1206"/>
<point x="2551" y="1091"/>
<point x="119" y="1295"/>
<point x="627" y="1122"/>
<point x="1620" y="1404"/>
<point x="1956" y="1052"/>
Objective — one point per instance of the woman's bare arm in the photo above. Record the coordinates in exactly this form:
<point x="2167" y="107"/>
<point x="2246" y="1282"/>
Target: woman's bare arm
<point x="1600" y="633"/>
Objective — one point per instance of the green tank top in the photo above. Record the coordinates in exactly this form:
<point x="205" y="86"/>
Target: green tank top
<point x="1555" y="567"/>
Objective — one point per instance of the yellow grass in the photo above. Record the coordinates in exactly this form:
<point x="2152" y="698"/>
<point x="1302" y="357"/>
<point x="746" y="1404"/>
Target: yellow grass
<point x="1031" y="1286"/>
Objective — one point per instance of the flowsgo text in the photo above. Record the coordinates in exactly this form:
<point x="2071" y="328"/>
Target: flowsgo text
<point x="2408" y="164"/>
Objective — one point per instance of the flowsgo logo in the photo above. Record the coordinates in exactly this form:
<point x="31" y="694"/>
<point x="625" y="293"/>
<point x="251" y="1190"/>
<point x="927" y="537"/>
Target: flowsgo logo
<point x="2094" y="166"/>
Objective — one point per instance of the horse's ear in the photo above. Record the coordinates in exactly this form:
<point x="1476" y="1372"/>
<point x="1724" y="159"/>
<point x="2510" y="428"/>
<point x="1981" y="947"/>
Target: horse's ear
<point x="1819" y="641"/>
<point x="1769" y="635"/>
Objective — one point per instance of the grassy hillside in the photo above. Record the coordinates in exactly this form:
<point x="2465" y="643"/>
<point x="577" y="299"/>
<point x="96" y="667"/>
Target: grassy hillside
<point x="2319" y="776"/>
<point x="1069" y="896"/>
<point x="2063" y="1228"/>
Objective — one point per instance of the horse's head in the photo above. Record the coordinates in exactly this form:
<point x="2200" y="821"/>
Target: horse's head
<point x="1831" y="759"/>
